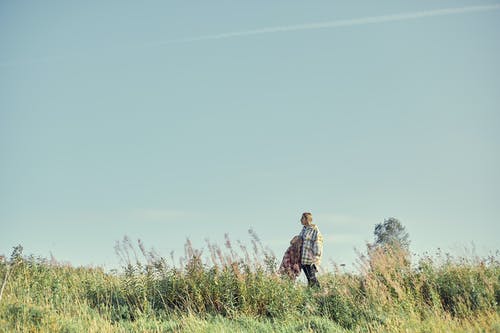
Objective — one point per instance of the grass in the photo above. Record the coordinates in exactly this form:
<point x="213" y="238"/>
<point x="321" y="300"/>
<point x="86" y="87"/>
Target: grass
<point x="232" y="290"/>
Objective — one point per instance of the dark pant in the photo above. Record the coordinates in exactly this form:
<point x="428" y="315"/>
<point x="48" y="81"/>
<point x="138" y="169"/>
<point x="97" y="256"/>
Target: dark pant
<point x="310" y="271"/>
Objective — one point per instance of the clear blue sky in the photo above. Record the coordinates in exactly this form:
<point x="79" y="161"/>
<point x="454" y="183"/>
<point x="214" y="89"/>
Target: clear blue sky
<point x="148" y="120"/>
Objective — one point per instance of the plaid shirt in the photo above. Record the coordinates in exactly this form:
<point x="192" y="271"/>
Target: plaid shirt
<point x="290" y="264"/>
<point x="312" y="245"/>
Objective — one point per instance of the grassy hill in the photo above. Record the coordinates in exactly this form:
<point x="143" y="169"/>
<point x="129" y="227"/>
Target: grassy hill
<point x="233" y="292"/>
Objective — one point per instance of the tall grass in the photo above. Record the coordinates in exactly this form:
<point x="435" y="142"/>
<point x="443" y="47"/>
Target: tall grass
<point x="231" y="288"/>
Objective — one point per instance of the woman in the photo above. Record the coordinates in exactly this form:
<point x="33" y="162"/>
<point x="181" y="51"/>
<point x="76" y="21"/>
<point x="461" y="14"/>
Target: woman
<point x="312" y="249"/>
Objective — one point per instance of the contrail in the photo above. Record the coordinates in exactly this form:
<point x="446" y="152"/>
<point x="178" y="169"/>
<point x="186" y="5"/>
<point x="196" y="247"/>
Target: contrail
<point x="342" y="23"/>
<point x="287" y="28"/>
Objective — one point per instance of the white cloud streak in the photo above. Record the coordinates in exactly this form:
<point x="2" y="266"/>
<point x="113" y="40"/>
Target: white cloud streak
<point x="290" y="28"/>
<point x="345" y="238"/>
<point x="346" y="23"/>
<point x="162" y="215"/>
<point x="342" y="219"/>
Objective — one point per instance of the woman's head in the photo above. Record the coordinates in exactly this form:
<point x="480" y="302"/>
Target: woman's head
<point x="306" y="219"/>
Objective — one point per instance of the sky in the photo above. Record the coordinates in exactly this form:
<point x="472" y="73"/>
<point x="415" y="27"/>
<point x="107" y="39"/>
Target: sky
<point x="167" y="120"/>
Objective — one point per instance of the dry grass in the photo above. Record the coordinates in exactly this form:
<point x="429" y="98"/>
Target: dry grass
<point x="230" y="288"/>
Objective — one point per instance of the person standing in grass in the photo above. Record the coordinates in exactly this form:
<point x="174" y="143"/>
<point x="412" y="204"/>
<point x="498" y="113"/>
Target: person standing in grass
<point x="312" y="249"/>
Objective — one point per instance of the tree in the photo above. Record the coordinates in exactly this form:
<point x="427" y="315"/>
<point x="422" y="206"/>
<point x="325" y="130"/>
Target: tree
<point x="389" y="257"/>
<point x="390" y="233"/>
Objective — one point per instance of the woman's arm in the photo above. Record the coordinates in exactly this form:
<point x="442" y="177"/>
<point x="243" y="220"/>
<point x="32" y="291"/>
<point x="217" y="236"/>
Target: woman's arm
<point x="318" y="247"/>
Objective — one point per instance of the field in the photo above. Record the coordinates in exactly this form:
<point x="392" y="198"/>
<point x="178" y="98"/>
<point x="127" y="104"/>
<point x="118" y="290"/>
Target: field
<point x="229" y="290"/>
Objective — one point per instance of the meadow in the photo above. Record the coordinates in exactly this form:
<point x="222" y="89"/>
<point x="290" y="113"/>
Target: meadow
<point x="238" y="289"/>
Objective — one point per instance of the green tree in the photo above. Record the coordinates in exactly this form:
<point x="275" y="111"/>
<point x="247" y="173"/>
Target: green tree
<point x="391" y="233"/>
